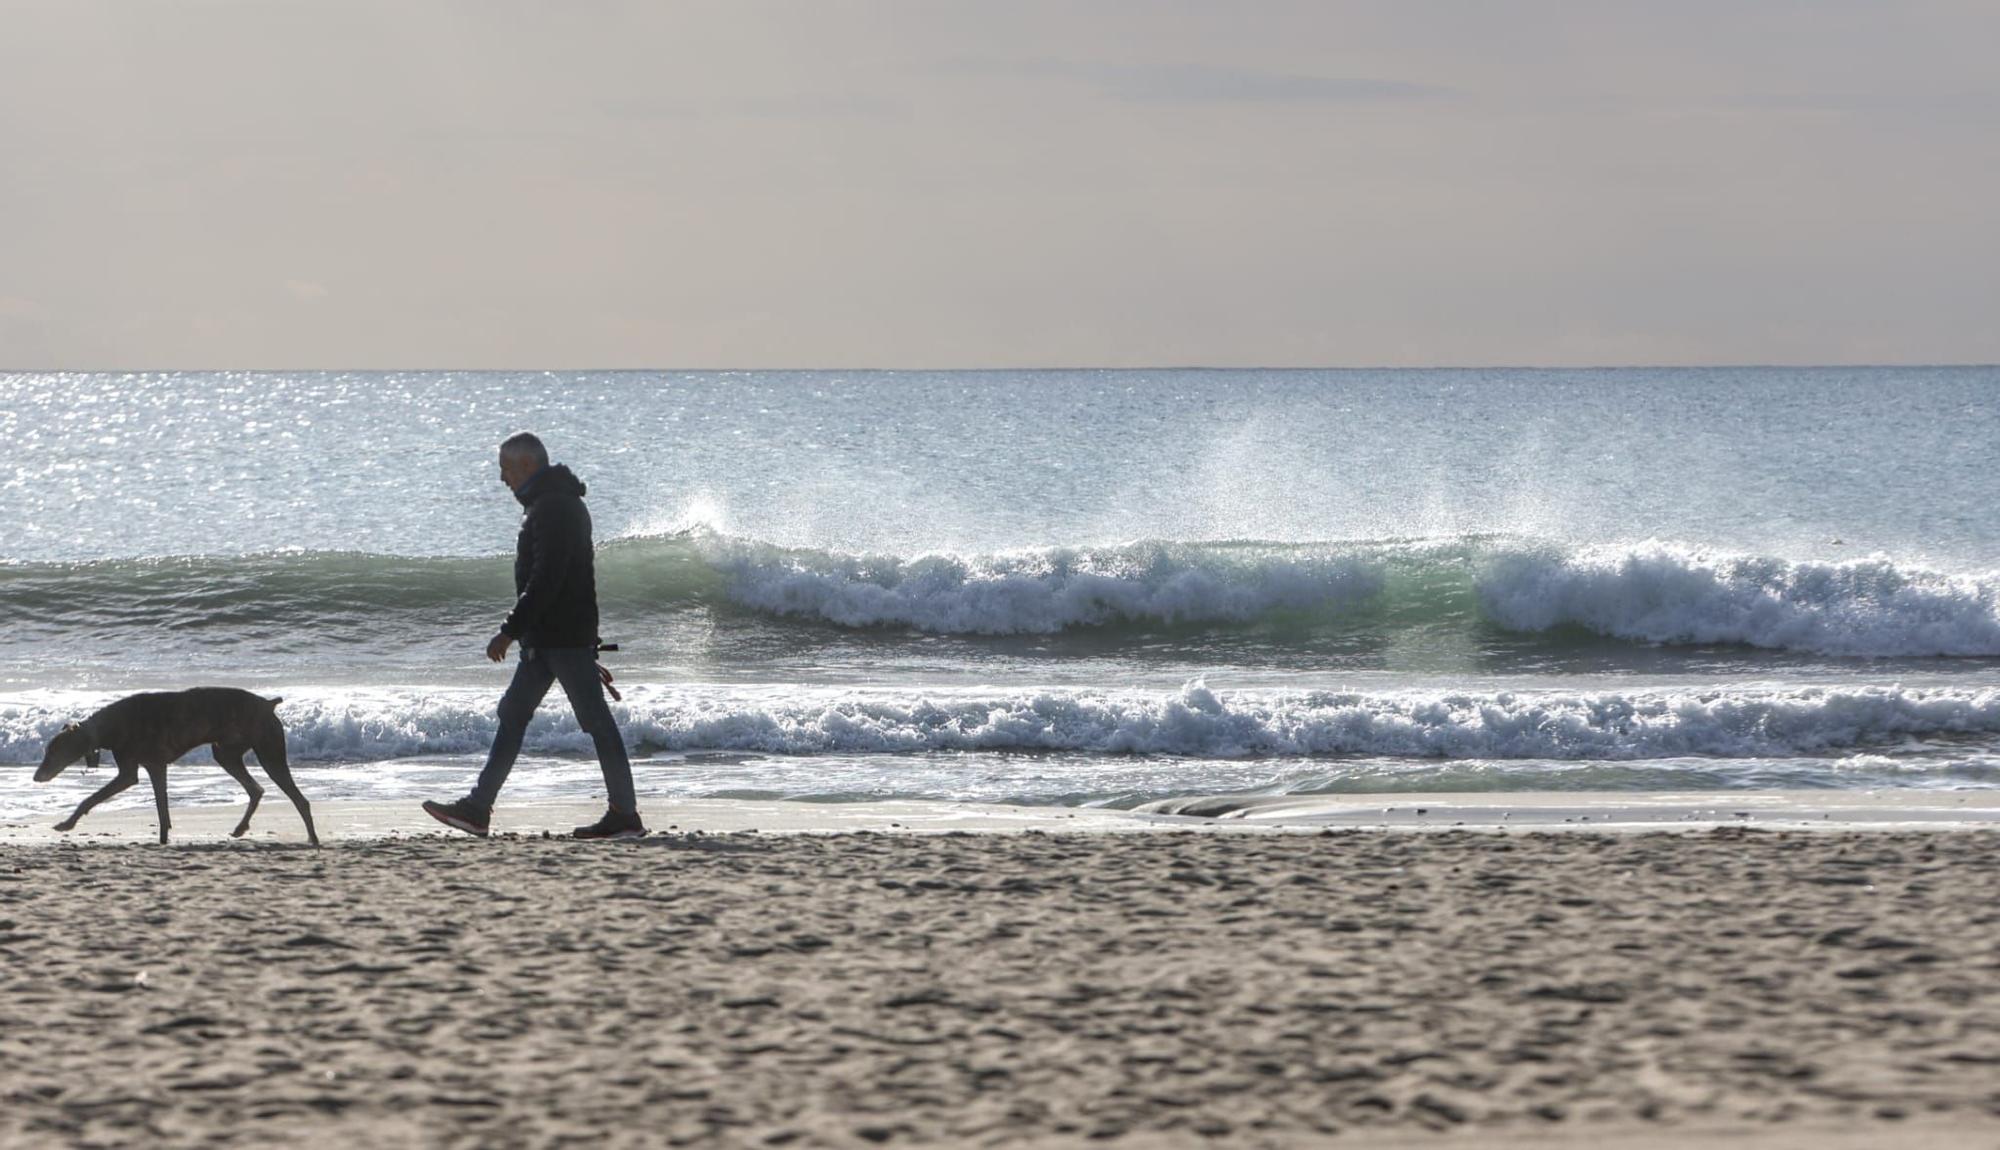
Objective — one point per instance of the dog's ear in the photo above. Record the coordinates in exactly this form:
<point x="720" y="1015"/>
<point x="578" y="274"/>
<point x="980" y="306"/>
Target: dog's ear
<point x="91" y="759"/>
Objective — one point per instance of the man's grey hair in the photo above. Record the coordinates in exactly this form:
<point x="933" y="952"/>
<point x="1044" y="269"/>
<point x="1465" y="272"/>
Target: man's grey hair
<point x="524" y="445"/>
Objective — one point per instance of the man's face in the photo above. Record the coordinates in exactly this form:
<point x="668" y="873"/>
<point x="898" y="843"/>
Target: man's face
<point x="515" y="470"/>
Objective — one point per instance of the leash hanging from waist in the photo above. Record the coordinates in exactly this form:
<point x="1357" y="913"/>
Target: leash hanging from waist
<point x="604" y="674"/>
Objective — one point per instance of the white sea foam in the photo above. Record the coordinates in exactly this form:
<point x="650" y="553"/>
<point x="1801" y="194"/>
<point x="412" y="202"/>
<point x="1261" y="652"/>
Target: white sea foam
<point x="1043" y="591"/>
<point x="1653" y="592"/>
<point x="1194" y="721"/>
<point x="1664" y="593"/>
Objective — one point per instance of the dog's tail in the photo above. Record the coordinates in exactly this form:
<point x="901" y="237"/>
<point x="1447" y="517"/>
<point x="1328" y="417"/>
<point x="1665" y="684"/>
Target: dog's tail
<point x="274" y="702"/>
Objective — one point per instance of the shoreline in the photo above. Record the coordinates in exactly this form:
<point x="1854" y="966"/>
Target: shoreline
<point x="1616" y="812"/>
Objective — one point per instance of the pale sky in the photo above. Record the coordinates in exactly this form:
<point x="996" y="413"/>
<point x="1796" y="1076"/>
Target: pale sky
<point x="998" y="183"/>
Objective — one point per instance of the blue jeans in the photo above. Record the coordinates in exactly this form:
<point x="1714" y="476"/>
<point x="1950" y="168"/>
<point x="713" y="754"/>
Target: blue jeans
<point x="576" y="669"/>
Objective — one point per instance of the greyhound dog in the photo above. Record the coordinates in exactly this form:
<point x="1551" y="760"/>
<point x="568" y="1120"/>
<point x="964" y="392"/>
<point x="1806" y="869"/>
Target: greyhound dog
<point x="152" y="730"/>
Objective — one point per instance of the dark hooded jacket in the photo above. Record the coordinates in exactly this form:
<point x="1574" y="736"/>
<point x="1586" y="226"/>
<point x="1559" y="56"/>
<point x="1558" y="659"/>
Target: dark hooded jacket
<point x="555" y="582"/>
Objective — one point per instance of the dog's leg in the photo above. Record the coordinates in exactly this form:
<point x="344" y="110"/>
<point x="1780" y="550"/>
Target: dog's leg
<point x="127" y="775"/>
<point x="271" y="756"/>
<point x="159" y="777"/>
<point x="231" y="760"/>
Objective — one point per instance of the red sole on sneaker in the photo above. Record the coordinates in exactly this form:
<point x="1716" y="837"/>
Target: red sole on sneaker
<point x="457" y="824"/>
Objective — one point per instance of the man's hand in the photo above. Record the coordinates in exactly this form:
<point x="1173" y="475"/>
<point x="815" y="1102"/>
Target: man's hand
<point x="496" y="650"/>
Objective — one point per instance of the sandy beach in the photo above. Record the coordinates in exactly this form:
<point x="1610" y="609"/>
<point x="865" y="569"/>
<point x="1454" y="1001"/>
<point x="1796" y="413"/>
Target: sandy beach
<point x="1740" y="987"/>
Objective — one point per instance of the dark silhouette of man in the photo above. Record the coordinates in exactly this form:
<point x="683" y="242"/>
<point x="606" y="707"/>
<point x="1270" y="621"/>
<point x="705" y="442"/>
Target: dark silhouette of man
<point x="555" y="620"/>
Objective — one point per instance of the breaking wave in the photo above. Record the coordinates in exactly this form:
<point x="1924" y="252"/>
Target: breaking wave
<point x="1194" y="721"/>
<point x="1658" y="593"/>
<point x="1654" y="592"/>
<point x="1054" y="589"/>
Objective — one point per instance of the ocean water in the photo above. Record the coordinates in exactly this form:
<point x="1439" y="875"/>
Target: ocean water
<point x="1080" y="587"/>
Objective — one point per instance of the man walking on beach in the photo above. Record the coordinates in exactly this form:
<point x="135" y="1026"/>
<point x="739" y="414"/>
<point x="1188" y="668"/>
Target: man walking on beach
<point x="555" y="620"/>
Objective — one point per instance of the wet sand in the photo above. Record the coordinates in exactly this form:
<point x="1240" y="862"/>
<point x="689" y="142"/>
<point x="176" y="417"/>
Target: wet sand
<point x="1493" y="810"/>
<point x="1735" y="987"/>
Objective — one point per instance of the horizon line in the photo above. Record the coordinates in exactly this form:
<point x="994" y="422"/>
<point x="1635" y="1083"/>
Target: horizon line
<point x="1071" y="368"/>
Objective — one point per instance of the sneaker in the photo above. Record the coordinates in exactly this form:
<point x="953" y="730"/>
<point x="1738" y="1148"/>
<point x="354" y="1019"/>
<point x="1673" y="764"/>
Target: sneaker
<point x="461" y="816"/>
<point x="615" y="824"/>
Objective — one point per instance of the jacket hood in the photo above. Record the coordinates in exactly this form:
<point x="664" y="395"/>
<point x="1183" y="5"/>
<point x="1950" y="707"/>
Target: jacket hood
<point x="555" y="479"/>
